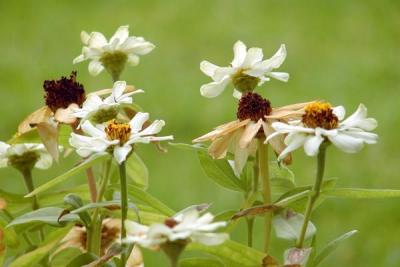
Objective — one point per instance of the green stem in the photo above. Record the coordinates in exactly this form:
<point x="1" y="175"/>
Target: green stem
<point x="30" y="187"/>
<point x="250" y="227"/>
<point x="94" y="233"/>
<point x="314" y="194"/>
<point x="124" y="209"/>
<point x="24" y="235"/>
<point x="264" y="175"/>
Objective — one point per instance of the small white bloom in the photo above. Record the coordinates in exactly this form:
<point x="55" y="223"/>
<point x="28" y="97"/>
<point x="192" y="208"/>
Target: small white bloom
<point x="322" y="123"/>
<point x="18" y="155"/>
<point x="246" y="71"/>
<point x="187" y="225"/>
<point x="100" y="110"/>
<point x="117" y="138"/>
<point x="121" y="48"/>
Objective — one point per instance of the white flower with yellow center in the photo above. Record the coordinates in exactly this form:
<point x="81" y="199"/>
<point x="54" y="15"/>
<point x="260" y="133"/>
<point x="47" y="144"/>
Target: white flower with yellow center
<point x="113" y="54"/>
<point x="101" y="110"/>
<point x="246" y="71"/>
<point x="116" y="138"/>
<point x="322" y="123"/>
<point x="189" y="225"/>
<point x="22" y="156"/>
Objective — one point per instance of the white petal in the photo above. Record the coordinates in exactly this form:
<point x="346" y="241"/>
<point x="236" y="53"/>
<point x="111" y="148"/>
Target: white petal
<point x="137" y="122"/>
<point x="95" y="67"/>
<point x="347" y="143"/>
<point x="293" y="142"/>
<point x="254" y="55"/>
<point x="78" y="59"/>
<point x="367" y="137"/>
<point x="237" y="94"/>
<point x="214" y="89"/>
<point x="239" y="51"/>
<point x="133" y="60"/>
<point x="281" y="76"/>
<point x="85" y="37"/>
<point x="121" y="152"/>
<point x="208" y="68"/>
<point x="118" y="89"/>
<point x="3" y="148"/>
<point x="121" y="34"/>
<point x="44" y="162"/>
<point x="91" y="130"/>
<point x="221" y="72"/>
<point x="340" y="112"/>
<point x="311" y="145"/>
<point x="359" y="120"/>
<point x="154" y="128"/>
<point x="276" y="60"/>
<point x="97" y="40"/>
<point x="141" y="49"/>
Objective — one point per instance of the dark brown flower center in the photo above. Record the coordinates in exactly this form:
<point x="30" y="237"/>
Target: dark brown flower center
<point x="63" y="92"/>
<point x="253" y="106"/>
<point x="118" y="131"/>
<point x="320" y="114"/>
<point x="170" y="222"/>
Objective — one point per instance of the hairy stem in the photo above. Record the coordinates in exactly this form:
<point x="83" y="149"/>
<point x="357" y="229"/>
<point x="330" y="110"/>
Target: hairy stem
<point x="314" y="194"/>
<point x="264" y="176"/>
<point x="124" y="209"/>
<point x="27" y="173"/>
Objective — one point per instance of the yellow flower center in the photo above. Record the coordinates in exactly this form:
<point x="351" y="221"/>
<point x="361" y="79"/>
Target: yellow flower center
<point x="118" y="131"/>
<point x="320" y="114"/>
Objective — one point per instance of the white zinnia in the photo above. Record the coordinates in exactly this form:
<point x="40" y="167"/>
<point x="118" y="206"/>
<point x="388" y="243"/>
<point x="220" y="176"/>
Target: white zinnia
<point x="245" y="63"/>
<point x="189" y="224"/>
<point x="99" y="142"/>
<point x="96" y="48"/>
<point x="95" y="106"/>
<point x="8" y="152"/>
<point x="350" y="135"/>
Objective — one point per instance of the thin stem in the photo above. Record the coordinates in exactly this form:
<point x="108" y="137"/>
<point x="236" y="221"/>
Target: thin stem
<point x="30" y="187"/>
<point x="250" y="227"/>
<point x="24" y="235"/>
<point x="124" y="209"/>
<point x="264" y="175"/>
<point x="314" y="194"/>
<point x="94" y="240"/>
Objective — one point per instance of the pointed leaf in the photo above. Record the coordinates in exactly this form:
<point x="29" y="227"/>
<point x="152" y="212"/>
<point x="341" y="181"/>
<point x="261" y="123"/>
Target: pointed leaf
<point x="137" y="171"/>
<point x="361" y="193"/>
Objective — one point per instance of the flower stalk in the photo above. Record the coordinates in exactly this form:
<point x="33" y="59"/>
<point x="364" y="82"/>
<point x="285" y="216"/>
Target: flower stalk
<point x="124" y="209"/>
<point x="264" y="176"/>
<point x="314" y="194"/>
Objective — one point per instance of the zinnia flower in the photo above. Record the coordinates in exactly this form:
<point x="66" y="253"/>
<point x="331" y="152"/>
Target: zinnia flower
<point x="323" y="123"/>
<point x="255" y="116"/>
<point x="24" y="156"/>
<point x="186" y="226"/>
<point x="113" y="54"/>
<point x="100" y="110"/>
<point x="246" y="71"/>
<point x="116" y="138"/>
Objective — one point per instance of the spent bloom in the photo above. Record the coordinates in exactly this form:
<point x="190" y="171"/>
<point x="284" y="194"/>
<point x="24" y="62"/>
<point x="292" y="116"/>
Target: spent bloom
<point x="112" y="55"/>
<point x="186" y="226"/>
<point x="255" y="116"/>
<point x="100" y="110"/>
<point x="24" y="156"/>
<point x="323" y="123"/>
<point x="246" y="71"/>
<point x="115" y="137"/>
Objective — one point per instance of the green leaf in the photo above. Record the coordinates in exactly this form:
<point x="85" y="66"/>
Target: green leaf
<point x="75" y="202"/>
<point x="200" y="262"/>
<point x="48" y="215"/>
<point x="288" y="225"/>
<point x="220" y="172"/>
<point x="360" y="193"/>
<point x="330" y="247"/>
<point x="34" y="257"/>
<point x="137" y="171"/>
<point x="139" y="194"/>
<point x="195" y="147"/>
<point x="63" y="177"/>
<point x="63" y="257"/>
<point x="105" y="204"/>
<point x="231" y="253"/>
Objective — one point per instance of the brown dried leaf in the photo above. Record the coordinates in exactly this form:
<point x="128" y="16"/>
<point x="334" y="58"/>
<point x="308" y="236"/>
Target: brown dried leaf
<point x="64" y="115"/>
<point x="257" y="210"/>
<point x="41" y="115"/>
<point x="269" y="261"/>
<point x="48" y="133"/>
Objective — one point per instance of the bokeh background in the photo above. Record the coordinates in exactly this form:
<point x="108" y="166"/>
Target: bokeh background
<point x="346" y="52"/>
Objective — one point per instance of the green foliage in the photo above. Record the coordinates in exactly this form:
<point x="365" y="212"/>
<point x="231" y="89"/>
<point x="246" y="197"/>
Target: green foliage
<point x="137" y="171"/>
<point x="200" y="262"/>
<point x="360" y="193"/>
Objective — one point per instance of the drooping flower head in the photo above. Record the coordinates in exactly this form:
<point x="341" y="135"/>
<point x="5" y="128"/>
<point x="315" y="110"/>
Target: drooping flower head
<point x="100" y="110"/>
<point x="189" y="225"/>
<point x="112" y="55"/>
<point x="24" y="156"/>
<point x="116" y="137"/>
<point x="246" y="71"/>
<point x="323" y="123"/>
<point x="254" y="118"/>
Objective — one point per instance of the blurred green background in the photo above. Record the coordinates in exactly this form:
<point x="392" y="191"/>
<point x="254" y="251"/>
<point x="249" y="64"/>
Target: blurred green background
<point x="346" y="52"/>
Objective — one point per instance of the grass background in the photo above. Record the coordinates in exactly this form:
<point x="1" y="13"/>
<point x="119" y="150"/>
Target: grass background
<point x="346" y="52"/>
